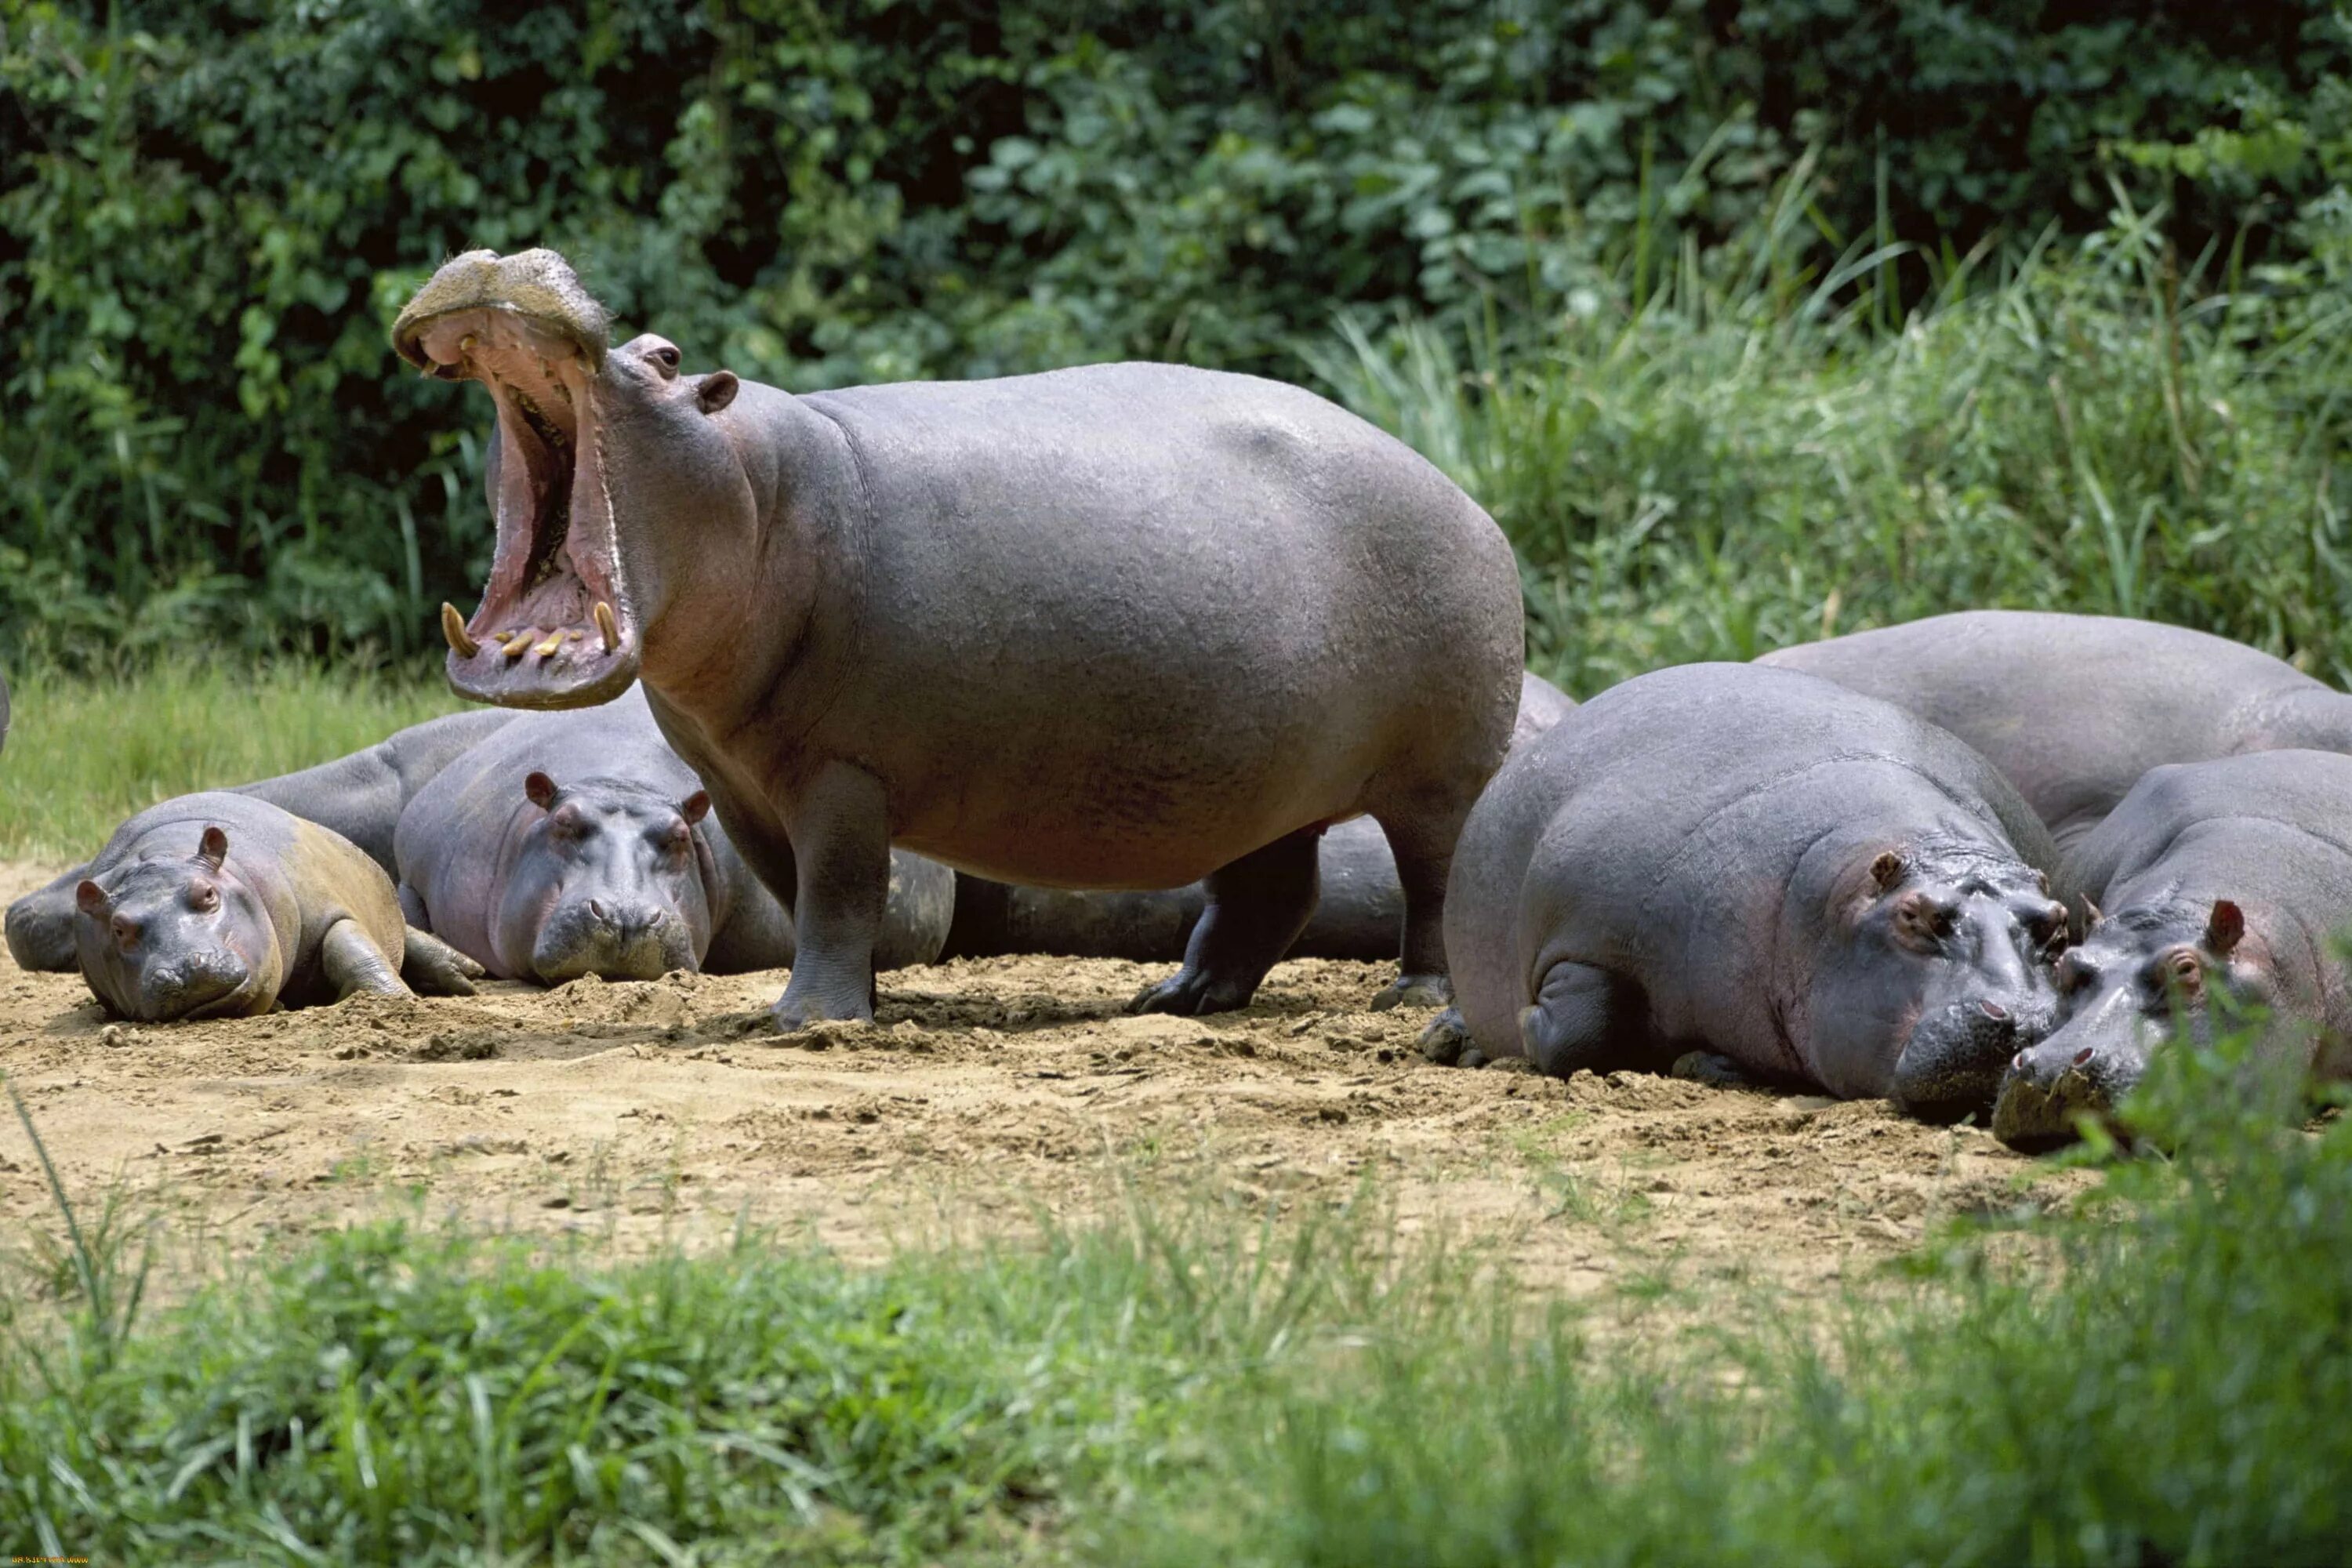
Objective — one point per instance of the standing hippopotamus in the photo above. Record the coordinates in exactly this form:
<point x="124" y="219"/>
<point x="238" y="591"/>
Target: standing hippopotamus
<point x="1757" y="864"/>
<point x="1118" y="627"/>
<point x="214" y="905"/>
<point x="2073" y="709"/>
<point x="2231" y="876"/>
<point x="1357" y="915"/>
<point x="576" y="843"/>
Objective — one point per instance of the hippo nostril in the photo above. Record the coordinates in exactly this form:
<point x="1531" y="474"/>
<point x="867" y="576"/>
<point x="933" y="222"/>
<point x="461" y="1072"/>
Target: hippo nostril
<point x="2017" y="1062"/>
<point x="1993" y="1010"/>
<point x="2083" y="1055"/>
<point x="596" y="908"/>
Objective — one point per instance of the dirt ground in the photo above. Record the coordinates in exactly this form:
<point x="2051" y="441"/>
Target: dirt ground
<point x="984" y="1092"/>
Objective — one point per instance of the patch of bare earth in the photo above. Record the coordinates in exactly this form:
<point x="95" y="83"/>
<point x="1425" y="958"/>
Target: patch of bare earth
<point x="984" y="1092"/>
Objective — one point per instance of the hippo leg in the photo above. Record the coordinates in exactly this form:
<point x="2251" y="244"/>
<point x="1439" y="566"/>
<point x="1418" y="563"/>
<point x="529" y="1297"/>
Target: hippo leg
<point x="1256" y="907"/>
<point x="433" y="968"/>
<point x="840" y="841"/>
<point x="413" y="910"/>
<point x="1425" y="855"/>
<point x="1446" y="1041"/>
<point x="353" y="963"/>
<point x="1580" y="1018"/>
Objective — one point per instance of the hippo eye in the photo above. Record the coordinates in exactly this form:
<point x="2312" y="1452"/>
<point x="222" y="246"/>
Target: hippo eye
<point x="666" y="357"/>
<point x="204" y="900"/>
<point x="2075" y="974"/>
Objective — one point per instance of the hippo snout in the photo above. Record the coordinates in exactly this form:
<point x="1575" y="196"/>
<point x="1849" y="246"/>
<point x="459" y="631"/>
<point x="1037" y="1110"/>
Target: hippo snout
<point x="2047" y="1087"/>
<point x="614" y="940"/>
<point x="190" y="986"/>
<point x="1952" y="1064"/>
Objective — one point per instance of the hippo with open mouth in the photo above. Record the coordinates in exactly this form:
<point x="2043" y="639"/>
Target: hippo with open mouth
<point x="1120" y="627"/>
<point x="1764" y="867"/>
<point x="2232" y="876"/>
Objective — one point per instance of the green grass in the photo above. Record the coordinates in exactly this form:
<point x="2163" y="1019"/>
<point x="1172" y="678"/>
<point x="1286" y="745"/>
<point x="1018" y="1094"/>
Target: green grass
<point x="86" y="751"/>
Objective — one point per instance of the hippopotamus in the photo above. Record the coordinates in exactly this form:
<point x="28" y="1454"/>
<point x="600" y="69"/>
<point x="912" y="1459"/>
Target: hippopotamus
<point x="1117" y="626"/>
<point x="445" y="806"/>
<point x="576" y="843"/>
<point x="1356" y="916"/>
<point x="2230" y="876"/>
<point x="2073" y="709"/>
<point x="1815" y="886"/>
<point x="219" y="905"/>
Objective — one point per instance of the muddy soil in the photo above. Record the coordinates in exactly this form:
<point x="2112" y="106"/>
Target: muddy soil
<point x="984" y="1092"/>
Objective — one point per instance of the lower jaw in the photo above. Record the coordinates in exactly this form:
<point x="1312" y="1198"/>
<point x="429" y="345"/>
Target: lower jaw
<point x="489" y="677"/>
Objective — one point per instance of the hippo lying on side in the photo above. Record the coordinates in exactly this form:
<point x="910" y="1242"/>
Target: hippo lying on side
<point x="1357" y="915"/>
<point x="587" y="883"/>
<point x="2073" y="709"/>
<point x="214" y="905"/>
<point x="1119" y="626"/>
<point x="1759" y="864"/>
<point x="2229" y="876"/>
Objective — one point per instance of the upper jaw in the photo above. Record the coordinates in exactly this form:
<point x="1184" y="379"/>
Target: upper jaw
<point x="557" y="627"/>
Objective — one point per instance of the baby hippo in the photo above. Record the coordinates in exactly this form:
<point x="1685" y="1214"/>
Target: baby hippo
<point x="2226" y="877"/>
<point x="215" y="906"/>
<point x="1760" y="865"/>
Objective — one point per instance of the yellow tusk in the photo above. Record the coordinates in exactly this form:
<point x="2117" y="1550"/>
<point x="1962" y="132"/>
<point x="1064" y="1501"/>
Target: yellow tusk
<point x="554" y="640"/>
<point x="607" y="627"/>
<point x="452" y="626"/>
<point x="519" y="647"/>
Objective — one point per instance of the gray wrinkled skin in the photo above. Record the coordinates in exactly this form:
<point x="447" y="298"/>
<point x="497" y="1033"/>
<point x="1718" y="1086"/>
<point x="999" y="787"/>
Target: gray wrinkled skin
<point x="2074" y="710"/>
<point x="1754" y="863"/>
<point x="1357" y="915"/>
<point x="2229" y="876"/>
<point x="221" y="906"/>
<point x="1119" y="627"/>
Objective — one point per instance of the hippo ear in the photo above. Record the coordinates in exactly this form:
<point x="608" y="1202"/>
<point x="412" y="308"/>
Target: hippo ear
<point x="541" y="790"/>
<point x="212" y="847"/>
<point x="2091" y="916"/>
<point x="1886" y="870"/>
<point x="91" y="899"/>
<point x="695" y="808"/>
<point x="716" y="390"/>
<point x="2223" y="928"/>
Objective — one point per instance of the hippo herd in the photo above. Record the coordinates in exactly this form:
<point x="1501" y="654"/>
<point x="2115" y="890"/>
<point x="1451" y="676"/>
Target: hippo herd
<point x="1172" y="665"/>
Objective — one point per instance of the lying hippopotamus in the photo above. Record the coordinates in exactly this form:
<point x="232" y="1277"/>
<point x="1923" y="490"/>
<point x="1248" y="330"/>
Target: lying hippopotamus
<point x="545" y="891"/>
<point x="2233" y="875"/>
<point x="1118" y="627"/>
<point x="214" y="905"/>
<point x="2073" y="709"/>
<point x="1357" y="915"/>
<point x="1760" y="865"/>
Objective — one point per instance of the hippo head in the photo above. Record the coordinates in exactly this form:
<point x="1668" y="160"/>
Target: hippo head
<point x="594" y="445"/>
<point x="163" y="938"/>
<point x="1936" y="955"/>
<point x="2138" y="978"/>
<point x="611" y="880"/>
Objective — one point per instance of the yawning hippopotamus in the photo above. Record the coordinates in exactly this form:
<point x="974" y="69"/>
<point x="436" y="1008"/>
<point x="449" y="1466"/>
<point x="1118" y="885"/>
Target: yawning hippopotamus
<point x="2073" y="709"/>
<point x="2231" y="876"/>
<point x="1358" y="911"/>
<point x="215" y="906"/>
<point x="1118" y="627"/>
<point x="1759" y="864"/>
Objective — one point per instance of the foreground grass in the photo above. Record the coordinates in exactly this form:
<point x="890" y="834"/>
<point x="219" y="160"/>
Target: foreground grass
<point x="1189" y="1383"/>
<point x="86" y="751"/>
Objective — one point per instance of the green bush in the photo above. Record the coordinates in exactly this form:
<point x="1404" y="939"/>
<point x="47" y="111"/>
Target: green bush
<point x="210" y="209"/>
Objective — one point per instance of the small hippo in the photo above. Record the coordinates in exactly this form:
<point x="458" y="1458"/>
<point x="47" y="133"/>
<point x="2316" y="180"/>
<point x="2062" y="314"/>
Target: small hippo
<point x="1358" y="914"/>
<point x="578" y="843"/>
<point x="2073" y="709"/>
<point x="1760" y="865"/>
<point x="1118" y="627"/>
<point x="215" y="906"/>
<point x="2231" y="876"/>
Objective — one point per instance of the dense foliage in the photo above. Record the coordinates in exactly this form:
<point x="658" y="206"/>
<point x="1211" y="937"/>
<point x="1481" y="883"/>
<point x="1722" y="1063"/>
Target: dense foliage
<point x="209" y="210"/>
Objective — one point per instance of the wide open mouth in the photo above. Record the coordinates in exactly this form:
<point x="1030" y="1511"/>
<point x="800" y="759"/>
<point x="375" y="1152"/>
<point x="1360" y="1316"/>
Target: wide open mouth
<point x="554" y="629"/>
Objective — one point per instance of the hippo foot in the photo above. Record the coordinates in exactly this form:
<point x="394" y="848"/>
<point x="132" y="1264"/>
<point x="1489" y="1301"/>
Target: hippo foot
<point x="1712" y="1070"/>
<point x="1415" y="991"/>
<point x="433" y="968"/>
<point x="794" y="1014"/>
<point x="1191" y="992"/>
<point x="1446" y="1041"/>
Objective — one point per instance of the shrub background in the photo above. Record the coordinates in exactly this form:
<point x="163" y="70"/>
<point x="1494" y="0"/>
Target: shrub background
<point x="209" y="212"/>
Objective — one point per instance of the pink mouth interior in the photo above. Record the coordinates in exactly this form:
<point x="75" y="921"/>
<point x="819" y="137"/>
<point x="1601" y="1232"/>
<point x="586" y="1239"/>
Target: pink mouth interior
<point x="537" y="635"/>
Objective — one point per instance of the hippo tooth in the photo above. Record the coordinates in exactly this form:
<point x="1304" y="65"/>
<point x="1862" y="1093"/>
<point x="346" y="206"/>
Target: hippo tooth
<point x="519" y="647"/>
<point x="452" y="626"/>
<point x="607" y="627"/>
<point x="554" y="640"/>
<point x="574" y="635"/>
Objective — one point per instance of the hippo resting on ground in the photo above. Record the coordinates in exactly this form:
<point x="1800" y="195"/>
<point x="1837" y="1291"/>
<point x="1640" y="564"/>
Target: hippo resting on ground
<point x="1357" y="915"/>
<point x="2073" y="709"/>
<point x="2231" y="876"/>
<point x="1757" y="864"/>
<point x="589" y="880"/>
<point x="214" y="905"/>
<point x="1120" y="627"/>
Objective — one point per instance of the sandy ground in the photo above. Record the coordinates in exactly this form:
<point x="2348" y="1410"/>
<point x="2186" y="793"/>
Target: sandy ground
<point x="984" y="1092"/>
